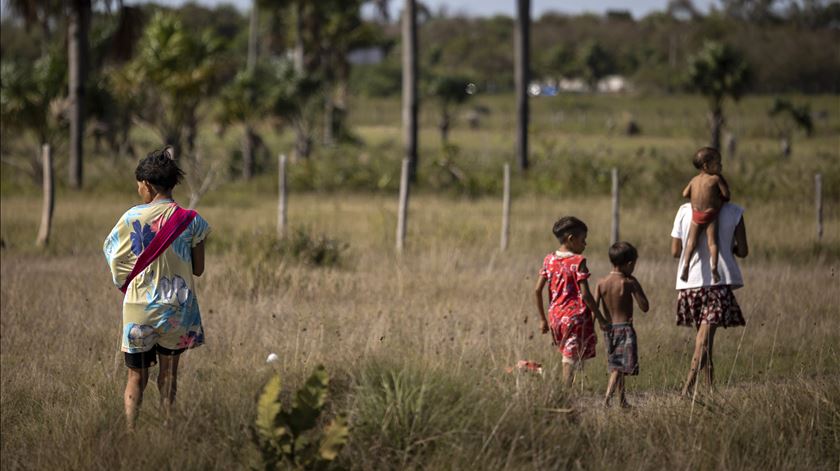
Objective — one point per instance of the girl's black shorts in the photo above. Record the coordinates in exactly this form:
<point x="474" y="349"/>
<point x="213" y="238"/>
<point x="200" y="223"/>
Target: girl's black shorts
<point x="149" y="358"/>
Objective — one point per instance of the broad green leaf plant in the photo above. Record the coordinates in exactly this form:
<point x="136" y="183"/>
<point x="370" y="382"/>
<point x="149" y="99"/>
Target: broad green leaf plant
<point x="292" y="438"/>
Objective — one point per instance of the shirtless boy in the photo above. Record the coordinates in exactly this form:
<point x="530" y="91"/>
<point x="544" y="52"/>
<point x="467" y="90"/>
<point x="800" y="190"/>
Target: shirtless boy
<point x="707" y="192"/>
<point x="614" y="295"/>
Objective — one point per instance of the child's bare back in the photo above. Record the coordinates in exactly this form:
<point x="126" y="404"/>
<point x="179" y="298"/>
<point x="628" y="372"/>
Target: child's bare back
<point x="616" y="292"/>
<point x="707" y="192"/>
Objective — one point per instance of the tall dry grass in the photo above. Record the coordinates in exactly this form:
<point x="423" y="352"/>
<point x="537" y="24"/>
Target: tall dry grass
<point x="417" y="345"/>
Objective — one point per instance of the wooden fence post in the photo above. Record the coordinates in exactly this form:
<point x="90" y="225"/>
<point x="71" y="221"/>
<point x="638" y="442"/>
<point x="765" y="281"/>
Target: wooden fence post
<point x="818" y="203"/>
<point x="282" y="198"/>
<point x="615" y="206"/>
<point x="506" y="208"/>
<point x="402" y="212"/>
<point x="49" y="196"/>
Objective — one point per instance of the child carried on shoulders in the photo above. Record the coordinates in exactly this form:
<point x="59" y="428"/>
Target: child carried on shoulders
<point x="707" y="192"/>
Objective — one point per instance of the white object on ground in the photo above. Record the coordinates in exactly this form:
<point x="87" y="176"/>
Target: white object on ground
<point x="272" y="357"/>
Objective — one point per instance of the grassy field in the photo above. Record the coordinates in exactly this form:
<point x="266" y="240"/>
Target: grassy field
<point x="417" y="346"/>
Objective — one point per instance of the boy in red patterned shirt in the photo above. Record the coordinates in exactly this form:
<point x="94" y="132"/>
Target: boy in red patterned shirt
<point x="571" y="305"/>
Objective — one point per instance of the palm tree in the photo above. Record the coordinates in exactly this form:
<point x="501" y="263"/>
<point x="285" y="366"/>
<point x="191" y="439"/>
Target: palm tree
<point x="243" y="101"/>
<point x="449" y="91"/>
<point x="31" y="99"/>
<point x="343" y="31"/>
<point x="800" y="117"/>
<point x="521" y="50"/>
<point x="78" y="50"/>
<point x="717" y="71"/>
<point x="409" y="86"/>
<point x="41" y="13"/>
<point x="172" y="73"/>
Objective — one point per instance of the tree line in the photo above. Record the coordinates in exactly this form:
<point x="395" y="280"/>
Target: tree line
<point x="101" y="67"/>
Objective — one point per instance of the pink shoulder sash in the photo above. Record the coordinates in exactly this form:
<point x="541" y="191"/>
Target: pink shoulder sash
<point x="174" y="227"/>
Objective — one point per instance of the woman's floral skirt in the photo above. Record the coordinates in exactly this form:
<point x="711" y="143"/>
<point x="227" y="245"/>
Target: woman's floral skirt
<point x="713" y="305"/>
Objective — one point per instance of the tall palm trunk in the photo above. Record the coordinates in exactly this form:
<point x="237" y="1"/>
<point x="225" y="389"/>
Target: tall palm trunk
<point x="409" y="86"/>
<point x="78" y="50"/>
<point x="443" y="126"/>
<point x="521" y="41"/>
<point x="716" y="124"/>
<point x="303" y="140"/>
<point x="329" y="118"/>
<point x="298" y="55"/>
<point x="249" y="136"/>
<point x="249" y="145"/>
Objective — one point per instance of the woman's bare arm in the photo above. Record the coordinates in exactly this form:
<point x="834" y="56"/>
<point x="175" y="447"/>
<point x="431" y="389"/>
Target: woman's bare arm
<point x="676" y="247"/>
<point x="739" y="243"/>
<point x="198" y="258"/>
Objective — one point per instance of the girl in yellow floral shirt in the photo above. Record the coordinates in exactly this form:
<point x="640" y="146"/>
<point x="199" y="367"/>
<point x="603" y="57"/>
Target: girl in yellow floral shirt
<point x="161" y="317"/>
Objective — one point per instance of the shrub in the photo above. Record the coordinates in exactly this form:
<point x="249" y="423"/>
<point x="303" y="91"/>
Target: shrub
<point x="291" y="437"/>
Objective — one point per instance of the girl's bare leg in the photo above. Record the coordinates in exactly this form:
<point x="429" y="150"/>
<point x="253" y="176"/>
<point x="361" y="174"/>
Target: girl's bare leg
<point x="168" y="382"/>
<point x="568" y="374"/>
<point x="690" y="245"/>
<point x="711" y="238"/>
<point x="614" y="379"/>
<point x="698" y="360"/>
<point x="133" y="397"/>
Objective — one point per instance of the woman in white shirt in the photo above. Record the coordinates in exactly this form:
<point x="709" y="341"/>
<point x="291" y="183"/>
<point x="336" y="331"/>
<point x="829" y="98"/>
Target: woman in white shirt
<point x="702" y="303"/>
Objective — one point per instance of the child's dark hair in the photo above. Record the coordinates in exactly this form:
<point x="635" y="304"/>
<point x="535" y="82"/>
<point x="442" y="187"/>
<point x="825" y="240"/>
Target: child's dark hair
<point x="705" y="155"/>
<point x="160" y="169"/>
<point x="568" y="225"/>
<point x="622" y="252"/>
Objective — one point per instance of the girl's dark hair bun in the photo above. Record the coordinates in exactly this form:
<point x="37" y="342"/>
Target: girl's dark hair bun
<point x="160" y="169"/>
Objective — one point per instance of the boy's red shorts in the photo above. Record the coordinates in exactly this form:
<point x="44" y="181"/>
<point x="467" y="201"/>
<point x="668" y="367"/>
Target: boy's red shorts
<point x="701" y="218"/>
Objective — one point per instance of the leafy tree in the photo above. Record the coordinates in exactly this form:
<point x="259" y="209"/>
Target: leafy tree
<point x="171" y="74"/>
<point x="173" y="70"/>
<point x="43" y="13"/>
<point x="594" y="62"/>
<point x="273" y="90"/>
<point x="243" y="101"/>
<point x="31" y="99"/>
<point x="343" y="31"/>
<point x="717" y="71"/>
<point x="800" y="116"/>
<point x="558" y="61"/>
<point x="449" y="91"/>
